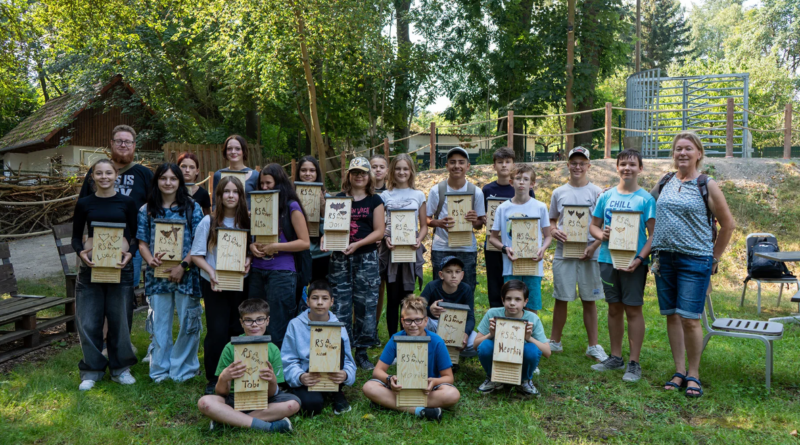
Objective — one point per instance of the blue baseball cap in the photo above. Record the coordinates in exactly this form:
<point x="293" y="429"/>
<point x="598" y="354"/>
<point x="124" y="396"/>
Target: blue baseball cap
<point x="448" y="260"/>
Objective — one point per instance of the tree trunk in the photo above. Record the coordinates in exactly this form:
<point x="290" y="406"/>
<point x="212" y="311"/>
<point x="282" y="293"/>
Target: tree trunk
<point x="590" y="55"/>
<point x="43" y="82"/>
<point x="402" y="92"/>
<point x="251" y="125"/>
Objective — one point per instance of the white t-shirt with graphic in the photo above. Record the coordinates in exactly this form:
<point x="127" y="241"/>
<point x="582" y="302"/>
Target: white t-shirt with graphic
<point x="440" y="236"/>
<point x="402" y="199"/>
<point x="531" y="209"/>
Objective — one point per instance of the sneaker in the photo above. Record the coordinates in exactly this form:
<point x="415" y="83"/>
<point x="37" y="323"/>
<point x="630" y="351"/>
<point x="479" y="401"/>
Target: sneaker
<point x="211" y="388"/>
<point x="536" y="371"/>
<point x="489" y="386"/>
<point x="146" y="359"/>
<point x="610" y="364"/>
<point x="125" y="378"/>
<point x="211" y="426"/>
<point x="86" y="385"/>
<point x="527" y="388"/>
<point x="633" y="373"/>
<point x="596" y="352"/>
<point x="555" y="346"/>
<point x="362" y="361"/>
<point x="340" y="404"/>
<point x="105" y="352"/>
<point x="281" y="426"/>
<point x="432" y="413"/>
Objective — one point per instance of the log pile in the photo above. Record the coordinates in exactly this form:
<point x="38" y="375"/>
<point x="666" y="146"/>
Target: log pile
<point x="19" y="193"/>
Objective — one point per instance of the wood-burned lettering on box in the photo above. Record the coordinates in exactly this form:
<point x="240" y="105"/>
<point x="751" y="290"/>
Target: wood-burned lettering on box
<point x="309" y="194"/>
<point x="509" y="347"/>
<point x="458" y="205"/>
<point x="169" y="242"/>
<point x="624" y="230"/>
<point x="107" y="241"/>
<point x="525" y="236"/>
<point x="337" y="213"/>
<point x="491" y="208"/>
<point x="403" y="227"/>
<point x="250" y="391"/>
<point x="451" y="328"/>
<point x="231" y="256"/>
<point x="575" y="221"/>
<point x="326" y="353"/>
<point x="412" y="369"/>
<point x="264" y="223"/>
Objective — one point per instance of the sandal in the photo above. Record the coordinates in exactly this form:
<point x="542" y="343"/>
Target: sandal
<point x="675" y="385"/>
<point x="696" y="392"/>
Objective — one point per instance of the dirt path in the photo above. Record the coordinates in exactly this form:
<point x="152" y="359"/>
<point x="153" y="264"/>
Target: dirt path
<point x="37" y="257"/>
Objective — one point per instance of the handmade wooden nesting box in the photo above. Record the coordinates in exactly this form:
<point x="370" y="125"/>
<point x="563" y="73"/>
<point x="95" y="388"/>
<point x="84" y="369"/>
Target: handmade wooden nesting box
<point x="309" y="194"/>
<point x="404" y="235"/>
<point x="458" y="204"/>
<point x="231" y="255"/>
<point x="250" y="392"/>
<point x="623" y="242"/>
<point x="240" y="175"/>
<point x="509" y="346"/>
<point x="337" y="223"/>
<point x="264" y="224"/>
<point x="491" y="207"/>
<point x="412" y="369"/>
<point x="107" y="251"/>
<point x="451" y="328"/>
<point x="169" y="241"/>
<point x="525" y="243"/>
<point x="326" y="353"/>
<point x="576" y="220"/>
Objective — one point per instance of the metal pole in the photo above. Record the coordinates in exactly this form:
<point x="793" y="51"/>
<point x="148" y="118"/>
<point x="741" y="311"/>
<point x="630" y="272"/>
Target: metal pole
<point x="432" y="163"/>
<point x="570" y="63"/>
<point x="608" y="130"/>
<point x="510" y="129"/>
<point x="638" y="66"/>
<point x="729" y="129"/>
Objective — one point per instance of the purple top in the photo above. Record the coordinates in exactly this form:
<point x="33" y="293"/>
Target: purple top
<point x="282" y="260"/>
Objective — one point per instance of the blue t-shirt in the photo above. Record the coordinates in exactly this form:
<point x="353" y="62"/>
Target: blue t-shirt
<point x="438" y="357"/>
<point x="639" y="201"/>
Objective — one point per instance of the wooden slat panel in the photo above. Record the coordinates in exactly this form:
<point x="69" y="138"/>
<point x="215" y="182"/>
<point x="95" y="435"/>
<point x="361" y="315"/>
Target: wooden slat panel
<point x="34" y="307"/>
<point x="16" y="304"/>
<point x="62" y="231"/>
<point x="46" y="341"/>
<point x="5" y="251"/>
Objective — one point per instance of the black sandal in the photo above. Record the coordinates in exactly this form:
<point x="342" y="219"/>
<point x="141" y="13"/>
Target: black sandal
<point x="675" y="385"/>
<point x="697" y="392"/>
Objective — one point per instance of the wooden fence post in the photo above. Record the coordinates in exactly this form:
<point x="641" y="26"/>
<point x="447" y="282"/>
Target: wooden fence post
<point x="787" y="132"/>
<point x="294" y="169"/>
<point x="343" y="161"/>
<point x="729" y="130"/>
<point x="386" y="149"/>
<point x="510" y="130"/>
<point x="211" y="187"/>
<point x="432" y="163"/>
<point x="609" y="121"/>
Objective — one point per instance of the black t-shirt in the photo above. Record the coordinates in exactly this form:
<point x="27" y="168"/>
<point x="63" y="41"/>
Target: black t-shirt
<point x="463" y="295"/>
<point x="201" y="197"/>
<point x="495" y="190"/>
<point x="116" y="209"/>
<point x="133" y="183"/>
<point x="361" y="217"/>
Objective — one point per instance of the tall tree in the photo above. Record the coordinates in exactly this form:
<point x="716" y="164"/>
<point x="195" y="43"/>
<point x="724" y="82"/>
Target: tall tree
<point x="665" y="34"/>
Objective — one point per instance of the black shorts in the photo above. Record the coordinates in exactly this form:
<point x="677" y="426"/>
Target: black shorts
<point x="623" y="287"/>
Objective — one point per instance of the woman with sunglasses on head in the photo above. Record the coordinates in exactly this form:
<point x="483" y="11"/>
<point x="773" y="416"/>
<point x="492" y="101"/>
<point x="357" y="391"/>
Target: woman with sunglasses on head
<point x="190" y="166"/>
<point x="234" y="150"/>
<point x="354" y="273"/>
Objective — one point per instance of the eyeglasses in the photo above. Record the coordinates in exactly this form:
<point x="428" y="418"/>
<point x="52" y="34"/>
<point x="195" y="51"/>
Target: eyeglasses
<point x="258" y="321"/>
<point x="578" y="164"/>
<point x="413" y="321"/>
<point x="123" y="143"/>
<point x="359" y="173"/>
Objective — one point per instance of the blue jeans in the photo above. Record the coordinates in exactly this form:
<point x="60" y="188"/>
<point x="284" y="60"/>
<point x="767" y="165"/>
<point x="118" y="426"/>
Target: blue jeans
<point x="176" y="361"/>
<point x="277" y="287"/>
<point x="682" y="282"/>
<point x="530" y="358"/>
<point x="534" y="289"/>
<point x="137" y="268"/>
<point x="470" y="260"/>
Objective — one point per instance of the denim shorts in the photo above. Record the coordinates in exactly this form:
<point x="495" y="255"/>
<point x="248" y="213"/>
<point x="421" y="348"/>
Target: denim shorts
<point x="682" y="282"/>
<point x="534" y="284"/>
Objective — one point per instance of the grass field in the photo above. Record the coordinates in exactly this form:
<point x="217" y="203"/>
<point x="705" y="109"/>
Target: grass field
<point x="40" y="403"/>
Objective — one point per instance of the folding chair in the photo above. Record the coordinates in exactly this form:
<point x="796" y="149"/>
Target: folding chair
<point x="787" y="281"/>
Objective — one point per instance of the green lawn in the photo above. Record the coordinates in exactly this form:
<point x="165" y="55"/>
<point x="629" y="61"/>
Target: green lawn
<point x="41" y="403"/>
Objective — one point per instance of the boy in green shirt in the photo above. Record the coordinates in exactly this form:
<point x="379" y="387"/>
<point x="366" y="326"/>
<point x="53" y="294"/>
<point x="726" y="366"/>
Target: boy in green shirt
<point x="254" y="317"/>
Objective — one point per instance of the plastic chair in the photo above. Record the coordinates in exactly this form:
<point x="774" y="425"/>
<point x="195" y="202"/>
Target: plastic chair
<point x="787" y="281"/>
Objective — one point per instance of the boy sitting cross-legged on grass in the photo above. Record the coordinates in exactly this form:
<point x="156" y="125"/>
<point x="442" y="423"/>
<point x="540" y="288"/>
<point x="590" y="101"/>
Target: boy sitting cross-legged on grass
<point x="450" y="289"/>
<point x="383" y="387"/>
<point x="254" y="316"/>
<point x="514" y="294"/>
<point x="296" y="353"/>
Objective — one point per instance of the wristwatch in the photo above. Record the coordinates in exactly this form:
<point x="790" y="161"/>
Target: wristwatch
<point x="389" y="380"/>
<point x="637" y="257"/>
<point x="185" y="266"/>
<point x="504" y="250"/>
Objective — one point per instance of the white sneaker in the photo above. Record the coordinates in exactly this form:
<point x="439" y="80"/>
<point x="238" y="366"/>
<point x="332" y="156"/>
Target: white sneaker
<point x="125" y="378"/>
<point x="536" y="371"/>
<point x="146" y="359"/>
<point x="86" y="385"/>
<point x="555" y="346"/>
<point x="489" y="386"/>
<point x="596" y="352"/>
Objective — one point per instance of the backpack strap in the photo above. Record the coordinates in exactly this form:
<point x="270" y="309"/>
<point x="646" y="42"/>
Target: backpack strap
<point x="702" y="184"/>
<point x="442" y="189"/>
<point x="661" y="183"/>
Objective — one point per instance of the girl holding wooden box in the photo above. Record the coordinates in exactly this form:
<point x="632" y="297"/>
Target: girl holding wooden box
<point x="166" y="227"/>
<point x="308" y="171"/>
<point x="99" y="300"/>
<point x="222" y="306"/>
<point x="401" y="265"/>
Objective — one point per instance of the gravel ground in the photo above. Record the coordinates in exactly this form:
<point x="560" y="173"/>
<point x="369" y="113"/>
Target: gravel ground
<point x="37" y="257"/>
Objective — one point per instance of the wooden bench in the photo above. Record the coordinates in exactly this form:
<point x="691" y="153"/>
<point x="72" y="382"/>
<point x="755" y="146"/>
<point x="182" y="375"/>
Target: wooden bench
<point x="22" y="309"/>
<point x="60" y="232"/>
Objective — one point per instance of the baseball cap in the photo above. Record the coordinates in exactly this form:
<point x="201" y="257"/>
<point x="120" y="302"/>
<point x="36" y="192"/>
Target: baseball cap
<point x="446" y="261"/>
<point x="359" y="163"/>
<point x="579" y="151"/>
<point x="457" y="150"/>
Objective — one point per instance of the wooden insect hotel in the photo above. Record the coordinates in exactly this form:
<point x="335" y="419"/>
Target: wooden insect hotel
<point x="310" y="194"/>
<point x="509" y="346"/>
<point x="325" y="353"/>
<point x="337" y="223"/>
<point x="412" y="369"/>
<point x="491" y="207"/>
<point x="525" y="244"/>
<point x="169" y="241"/>
<point x="458" y="205"/>
<point x="403" y="226"/>
<point x="575" y="221"/>
<point x="451" y="328"/>
<point x="107" y="251"/>
<point x="623" y="243"/>
<point x="240" y="175"/>
<point x="231" y="255"/>
<point x="264" y="223"/>
<point x="250" y="392"/>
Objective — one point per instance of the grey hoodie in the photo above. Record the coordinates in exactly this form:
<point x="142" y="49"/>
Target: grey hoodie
<point x="297" y="348"/>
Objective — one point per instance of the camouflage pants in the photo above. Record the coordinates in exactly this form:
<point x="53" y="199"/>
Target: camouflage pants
<point x="355" y="281"/>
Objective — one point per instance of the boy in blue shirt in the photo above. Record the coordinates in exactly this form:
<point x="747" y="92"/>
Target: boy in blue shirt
<point x="254" y="317"/>
<point x="383" y="387"/>
<point x="624" y="288"/>
<point x="514" y="294"/>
